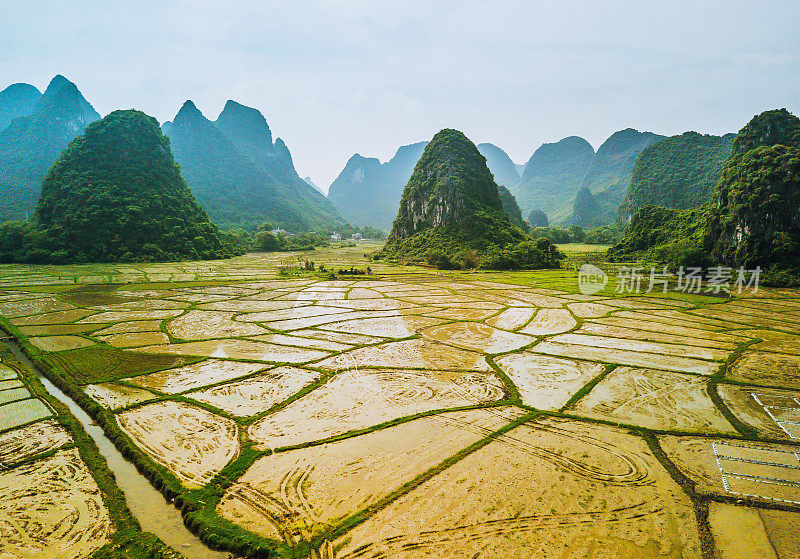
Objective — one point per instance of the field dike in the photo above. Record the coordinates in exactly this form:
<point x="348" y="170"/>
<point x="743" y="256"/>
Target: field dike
<point x="127" y="540"/>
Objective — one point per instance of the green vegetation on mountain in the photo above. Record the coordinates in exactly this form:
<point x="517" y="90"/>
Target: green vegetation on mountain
<point x="17" y="100"/>
<point x="115" y="195"/>
<point x="757" y="217"/>
<point x="677" y="172"/>
<point x="608" y="178"/>
<point x="30" y="144"/>
<point x="775" y="127"/>
<point x="511" y="207"/>
<point x="585" y="209"/>
<point x="367" y="192"/>
<point x="537" y="218"/>
<point x="751" y="219"/>
<point x="662" y="235"/>
<point x="552" y="177"/>
<point x="451" y="214"/>
<point x="240" y="176"/>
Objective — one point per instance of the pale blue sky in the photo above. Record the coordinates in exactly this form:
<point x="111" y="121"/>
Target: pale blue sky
<point x="336" y="77"/>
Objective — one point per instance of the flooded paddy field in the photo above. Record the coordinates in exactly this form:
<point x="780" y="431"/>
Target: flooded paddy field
<point x="415" y="413"/>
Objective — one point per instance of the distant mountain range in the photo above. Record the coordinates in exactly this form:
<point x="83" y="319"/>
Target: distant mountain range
<point x="367" y="192"/>
<point x="240" y="176"/>
<point x="608" y="177"/>
<point x="552" y="177"/>
<point x="557" y="172"/>
<point x="34" y="130"/>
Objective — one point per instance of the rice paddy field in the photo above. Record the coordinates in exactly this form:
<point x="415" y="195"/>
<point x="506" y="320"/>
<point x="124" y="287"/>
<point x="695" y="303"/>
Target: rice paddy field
<point x="410" y="413"/>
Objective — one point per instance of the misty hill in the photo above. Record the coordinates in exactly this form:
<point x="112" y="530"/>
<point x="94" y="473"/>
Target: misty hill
<point x="552" y="177"/>
<point x="608" y="178"/>
<point x="117" y="195"/>
<point x="451" y="213"/>
<point x="537" y="218"/>
<point x="511" y="207"/>
<point x="312" y="183"/>
<point x="556" y="172"/>
<point x="367" y="192"/>
<point x="17" y="100"/>
<point x="677" y="172"/>
<point x="240" y="176"/>
<point x="585" y="209"/>
<point x="30" y="144"/>
<point x="500" y="164"/>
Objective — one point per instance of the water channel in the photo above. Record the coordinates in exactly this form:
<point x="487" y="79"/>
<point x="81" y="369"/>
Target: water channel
<point x="150" y="508"/>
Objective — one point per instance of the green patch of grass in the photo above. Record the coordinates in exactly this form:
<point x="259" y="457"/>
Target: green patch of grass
<point x="102" y="363"/>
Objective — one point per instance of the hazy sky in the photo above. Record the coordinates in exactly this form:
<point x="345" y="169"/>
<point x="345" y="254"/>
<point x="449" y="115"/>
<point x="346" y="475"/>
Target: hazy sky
<point x="337" y="77"/>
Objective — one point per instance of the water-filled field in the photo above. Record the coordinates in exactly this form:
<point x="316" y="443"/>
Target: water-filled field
<point x="412" y="413"/>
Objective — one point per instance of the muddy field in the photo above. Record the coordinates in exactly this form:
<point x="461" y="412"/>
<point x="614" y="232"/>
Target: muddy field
<point x="375" y="404"/>
<point x="562" y="488"/>
<point x="51" y="508"/>
<point x="295" y="494"/>
<point x="654" y="399"/>
<point x="191" y="442"/>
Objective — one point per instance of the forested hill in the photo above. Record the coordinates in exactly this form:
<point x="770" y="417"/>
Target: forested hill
<point x="552" y="177"/>
<point x="677" y="172"/>
<point x="30" y="143"/>
<point x="367" y="192"/>
<point x="240" y="176"/>
<point x="115" y="195"/>
<point x="451" y="214"/>
<point x="751" y="217"/>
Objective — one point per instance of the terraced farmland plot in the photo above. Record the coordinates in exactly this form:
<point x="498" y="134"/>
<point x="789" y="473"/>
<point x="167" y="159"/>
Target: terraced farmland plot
<point x="52" y="508"/>
<point x="21" y="412"/>
<point x="557" y="488"/>
<point x="197" y="375"/>
<point x="292" y="495"/>
<point x="20" y="444"/>
<point x="773" y="413"/>
<point x="192" y="443"/>
<point x="257" y="393"/>
<point x="368" y="410"/>
<point x="357" y="399"/>
<point x="755" y="470"/>
<point x="654" y="399"/>
<point x="546" y="382"/>
<point x="772" y="369"/>
<point x="113" y="395"/>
